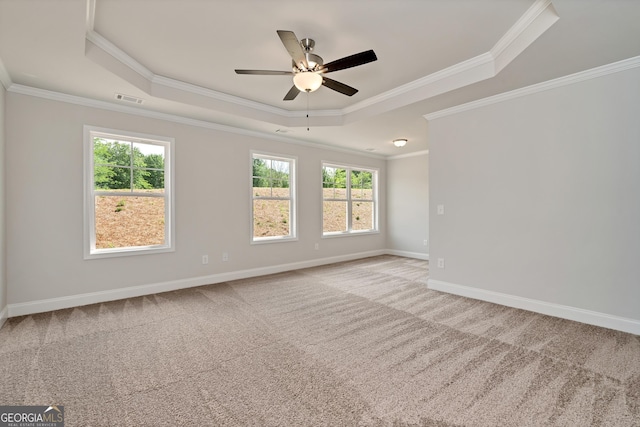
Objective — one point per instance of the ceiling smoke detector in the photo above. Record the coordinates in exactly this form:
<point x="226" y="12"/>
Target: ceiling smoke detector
<point x="129" y="98"/>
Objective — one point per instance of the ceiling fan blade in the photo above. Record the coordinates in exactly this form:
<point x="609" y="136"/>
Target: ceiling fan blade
<point x="338" y="87"/>
<point x="291" y="95"/>
<point x="349" y="61"/>
<point x="291" y="43"/>
<point x="264" y="72"/>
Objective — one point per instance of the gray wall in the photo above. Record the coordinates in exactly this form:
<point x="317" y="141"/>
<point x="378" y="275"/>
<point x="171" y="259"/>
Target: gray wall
<point x="3" y="270"/>
<point x="44" y="203"/>
<point x="542" y="196"/>
<point x="408" y="205"/>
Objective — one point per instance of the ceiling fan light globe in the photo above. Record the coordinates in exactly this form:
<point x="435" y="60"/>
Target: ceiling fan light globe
<point x="307" y="81"/>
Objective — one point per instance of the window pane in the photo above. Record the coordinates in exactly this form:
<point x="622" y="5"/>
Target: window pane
<point x="261" y="191"/>
<point x="334" y="193"/>
<point x="111" y="178"/>
<point x="334" y="184"/>
<point x="151" y="158"/>
<point x="334" y="216"/>
<point x="361" y="184"/>
<point x="280" y="168"/>
<point x="154" y="181"/>
<point x="281" y="192"/>
<point x="341" y="193"/>
<point x="150" y="150"/>
<point x="362" y="215"/>
<point x="261" y="168"/>
<point x="271" y="218"/>
<point x="111" y="152"/>
<point x="334" y="177"/>
<point x="148" y="181"/>
<point x="129" y="221"/>
<point x="328" y="193"/>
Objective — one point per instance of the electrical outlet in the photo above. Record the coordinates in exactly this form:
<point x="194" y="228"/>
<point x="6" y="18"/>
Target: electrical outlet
<point x="317" y="246"/>
<point x="440" y="262"/>
<point x="225" y="256"/>
<point x="425" y="242"/>
<point x="205" y="259"/>
<point x="440" y="209"/>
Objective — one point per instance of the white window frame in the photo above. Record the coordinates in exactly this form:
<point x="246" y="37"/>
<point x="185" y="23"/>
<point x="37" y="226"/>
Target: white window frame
<point x="293" y="204"/>
<point x="90" y="251"/>
<point x="374" y="192"/>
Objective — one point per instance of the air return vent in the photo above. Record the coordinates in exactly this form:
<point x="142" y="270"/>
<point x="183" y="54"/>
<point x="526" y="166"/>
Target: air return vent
<point x="128" y="98"/>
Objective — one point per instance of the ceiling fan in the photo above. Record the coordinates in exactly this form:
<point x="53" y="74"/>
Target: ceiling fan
<point x="308" y="70"/>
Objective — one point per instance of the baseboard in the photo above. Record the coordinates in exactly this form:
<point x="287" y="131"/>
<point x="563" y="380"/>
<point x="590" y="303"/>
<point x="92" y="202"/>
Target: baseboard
<point x="604" y="320"/>
<point x="40" y="306"/>
<point x="416" y="255"/>
<point x="4" y="315"/>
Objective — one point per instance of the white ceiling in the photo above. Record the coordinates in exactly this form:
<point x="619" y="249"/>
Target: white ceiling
<point x="180" y="55"/>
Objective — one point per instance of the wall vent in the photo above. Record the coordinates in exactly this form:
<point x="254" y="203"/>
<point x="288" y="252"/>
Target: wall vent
<point x="128" y="98"/>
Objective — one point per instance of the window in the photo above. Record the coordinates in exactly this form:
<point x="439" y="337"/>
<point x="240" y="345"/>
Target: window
<point x="128" y="193"/>
<point x="349" y="200"/>
<point x="272" y="198"/>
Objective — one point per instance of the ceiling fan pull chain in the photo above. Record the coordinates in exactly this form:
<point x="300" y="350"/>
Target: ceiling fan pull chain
<point x="307" y="111"/>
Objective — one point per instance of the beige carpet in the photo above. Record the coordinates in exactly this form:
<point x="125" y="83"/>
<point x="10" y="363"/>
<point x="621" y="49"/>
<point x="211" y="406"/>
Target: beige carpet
<point x="360" y="343"/>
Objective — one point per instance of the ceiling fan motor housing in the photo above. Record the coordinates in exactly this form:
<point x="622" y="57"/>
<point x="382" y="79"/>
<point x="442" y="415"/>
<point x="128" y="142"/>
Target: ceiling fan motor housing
<point x="314" y="61"/>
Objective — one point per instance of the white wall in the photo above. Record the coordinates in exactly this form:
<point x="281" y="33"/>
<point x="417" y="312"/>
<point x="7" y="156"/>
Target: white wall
<point x="542" y="199"/>
<point x="45" y="205"/>
<point x="3" y="270"/>
<point x="408" y="205"/>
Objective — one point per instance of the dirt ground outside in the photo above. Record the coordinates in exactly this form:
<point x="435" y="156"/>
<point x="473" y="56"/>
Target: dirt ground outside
<point x="126" y="221"/>
<point x="129" y="221"/>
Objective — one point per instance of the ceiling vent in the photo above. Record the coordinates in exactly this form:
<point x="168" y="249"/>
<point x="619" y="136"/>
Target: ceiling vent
<point x="128" y="98"/>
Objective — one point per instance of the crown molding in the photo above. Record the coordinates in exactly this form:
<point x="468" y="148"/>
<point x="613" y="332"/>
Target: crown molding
<point x="119" y="54"/>
<point x="5" y="78"/>
<point x="142" y="112"/>
<point x="91" y="15"/>
<point x="625" y="64"/>
<point x="468" y="66"/>
<point x="535" y="21"/>
<point x="219" y="96"/>
<point x="404" y="156"/>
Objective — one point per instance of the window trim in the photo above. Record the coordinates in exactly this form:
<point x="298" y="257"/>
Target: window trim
<point x="293" y="200"/>
<point x="374" y="183"/>
<point x="89" y="237"/>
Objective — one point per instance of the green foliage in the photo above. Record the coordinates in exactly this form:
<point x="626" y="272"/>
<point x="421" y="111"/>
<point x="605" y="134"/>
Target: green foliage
<point x="155" y="177"/>
<point x="361" y="179"/>
<point x="337" y="178"/>
<point x="270" y="173"/>
<point x="122" y="166"/>
<point x="334" y="178"/>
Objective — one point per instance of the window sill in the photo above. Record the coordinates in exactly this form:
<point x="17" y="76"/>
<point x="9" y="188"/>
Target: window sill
<point x="124" y="252"/>
<point x="349" y="233"/>
<point x="279" y="239"/>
